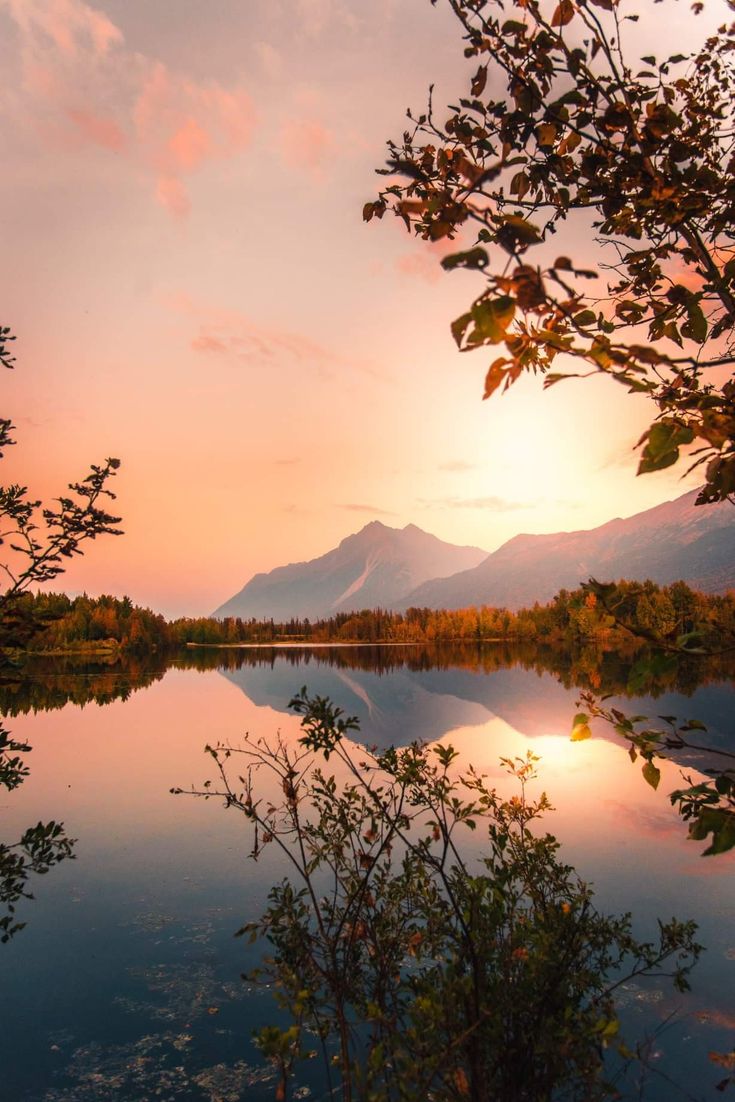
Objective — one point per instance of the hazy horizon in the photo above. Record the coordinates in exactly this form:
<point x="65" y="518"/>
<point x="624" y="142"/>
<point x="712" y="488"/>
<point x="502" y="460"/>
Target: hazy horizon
<point x="194" y="291"/>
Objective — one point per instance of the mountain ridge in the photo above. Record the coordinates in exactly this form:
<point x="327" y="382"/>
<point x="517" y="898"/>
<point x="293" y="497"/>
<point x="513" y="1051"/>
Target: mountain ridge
<point x="673" y="541"/>
<point x="380" y="563"/>
<point x="396" y="568"/>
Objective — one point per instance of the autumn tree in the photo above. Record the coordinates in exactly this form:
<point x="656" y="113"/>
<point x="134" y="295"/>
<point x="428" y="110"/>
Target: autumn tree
<point x="563" y="134"/>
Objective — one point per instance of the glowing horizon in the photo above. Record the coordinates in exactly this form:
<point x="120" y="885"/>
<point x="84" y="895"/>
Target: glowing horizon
<point x="194" y="291"/>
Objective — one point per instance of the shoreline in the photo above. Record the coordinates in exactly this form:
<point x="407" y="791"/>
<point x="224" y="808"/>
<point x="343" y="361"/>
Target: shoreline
<point x="309" y="646"/>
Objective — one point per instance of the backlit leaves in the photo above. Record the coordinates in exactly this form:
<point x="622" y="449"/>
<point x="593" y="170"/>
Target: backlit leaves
<point x="473" y="258"/>
<point x="708" y="806"/>
<point x="651" y="774"/>
<point x="553" y="139"/>
<point x="564" y="14"/>
<point x="580" y="727"/>
<point x="486" y="323"/>
<point x="663" y="440"/>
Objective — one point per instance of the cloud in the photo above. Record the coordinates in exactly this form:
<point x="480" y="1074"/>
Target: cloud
<point x="172" y="194"/>
<point x="165" y="124"/>
<point x="270" y="59"/>
<point x="652" y="824"/>
<point x="71" y="27"/>
<point x="181" y="124"/>
<point x="307" y="144"/>
<point x="316" y="16"/>
<point x="425" y="262"/>
<point x="98" y="130"/>
<point x="420" y="265"/>
<point x="207" y="343"/>
<point x="457" y="465"/>
<point x="358" y="508"/>
<point x="234" y="336"/>
<point x="496" y="504"/>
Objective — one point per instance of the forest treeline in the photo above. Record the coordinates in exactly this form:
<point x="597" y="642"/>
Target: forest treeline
<point x="666" y="613"/>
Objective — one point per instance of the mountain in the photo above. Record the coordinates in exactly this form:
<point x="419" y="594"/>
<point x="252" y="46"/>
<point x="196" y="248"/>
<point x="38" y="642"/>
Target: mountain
<point x="672" y="541"/>
<point x="375" y="568"/>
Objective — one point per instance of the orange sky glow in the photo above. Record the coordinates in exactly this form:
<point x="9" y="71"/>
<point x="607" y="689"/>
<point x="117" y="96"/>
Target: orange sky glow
<point x="194" y="291"/>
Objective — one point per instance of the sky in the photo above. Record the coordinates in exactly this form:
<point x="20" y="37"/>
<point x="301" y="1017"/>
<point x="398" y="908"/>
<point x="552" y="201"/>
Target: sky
<point x="194" y="291"/>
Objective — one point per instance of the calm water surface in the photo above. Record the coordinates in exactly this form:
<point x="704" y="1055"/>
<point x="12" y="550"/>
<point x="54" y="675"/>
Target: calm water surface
<point x="126" y="983"/>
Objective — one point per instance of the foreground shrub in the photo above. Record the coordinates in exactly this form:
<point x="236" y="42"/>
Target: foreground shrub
<point x="422" y="973"/>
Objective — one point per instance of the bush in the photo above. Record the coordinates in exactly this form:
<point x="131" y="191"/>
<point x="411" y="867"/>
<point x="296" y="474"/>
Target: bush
<point x="421" y="975"/>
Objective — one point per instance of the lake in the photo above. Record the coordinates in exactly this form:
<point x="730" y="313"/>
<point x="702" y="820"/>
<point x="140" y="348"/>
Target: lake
<point x="126" y="983"/>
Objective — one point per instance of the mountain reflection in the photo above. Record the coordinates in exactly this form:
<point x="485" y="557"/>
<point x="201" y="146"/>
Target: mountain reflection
<point x="404" y="692"/>
<point x="432" y="691"/>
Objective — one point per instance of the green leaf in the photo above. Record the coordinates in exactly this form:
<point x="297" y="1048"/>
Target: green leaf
<point x="459" y="327"/>
<point x="472" y="258"/>
<point x="651" y="774"/>
<point x="585" y="317"/>
<point x="696" y="325"/>
<point x="517" y="232"/>
<point x="646" y="466"/>
<point x="662" y="448"/>
<point x="718" y="822"/>
<point x="492" y="318"/>
<point x="512" y="26"/>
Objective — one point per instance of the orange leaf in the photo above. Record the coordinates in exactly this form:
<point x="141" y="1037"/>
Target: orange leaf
<point x="564" y="14"/>
<point x="495" y="376"/>
<point x="460" y="1081"/>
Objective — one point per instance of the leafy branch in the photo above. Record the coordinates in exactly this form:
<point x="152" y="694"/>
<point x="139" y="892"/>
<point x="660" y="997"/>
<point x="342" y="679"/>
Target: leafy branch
<point x="707" y="806"/>
<point x="419" y="972"/>
<point x="560" y="133"/>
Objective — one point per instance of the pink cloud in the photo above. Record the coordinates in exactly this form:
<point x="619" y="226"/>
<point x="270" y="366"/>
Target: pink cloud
<point x="420" y="265"/>
<point x="72" y="27"/>
<point x="98" y="130"/>
<point x="172" y="194"/>
<point x="232" y="335"/>
<point x="306" y="143"/>
<point x="207" y="343"/>
<point x="424" y="262"/>
<point x="181" y="124"/>
<point x="190" y="145"/>
<point x="168" y="125"/>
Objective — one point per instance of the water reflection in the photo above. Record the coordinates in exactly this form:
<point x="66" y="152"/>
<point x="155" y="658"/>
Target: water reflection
<point x="98" y="981"/>
<point x="44" y="683"/>
<point x="530" y="689"/>
<point x="458" y="670"/>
